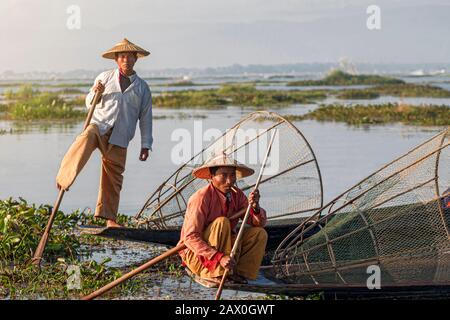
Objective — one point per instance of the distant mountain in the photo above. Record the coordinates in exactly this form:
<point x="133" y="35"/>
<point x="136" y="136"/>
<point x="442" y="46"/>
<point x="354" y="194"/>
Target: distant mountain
<point x="297" y="69"/>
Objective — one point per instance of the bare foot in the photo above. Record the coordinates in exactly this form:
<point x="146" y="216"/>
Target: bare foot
<point x="112" y="224"/>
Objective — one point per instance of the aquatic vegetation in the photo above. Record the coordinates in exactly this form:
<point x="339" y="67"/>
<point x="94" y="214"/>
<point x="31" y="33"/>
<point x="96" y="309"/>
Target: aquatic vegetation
<point x="180" y="116"/>
<point x="21" y="226"/>
<point x="398" y="90"/>
<point x="411" y="90"/>
<point x="43" y="84"/>
<point x="52" y="111"/>
<point x="426" y="115"/>
<point x="183" y="83"/>
<point x="341" y="78"/>
<point x="31" y="104"/>
<point x="357" y="94"/>
<point x="52" y="281"/>
<point x="238" y="95"/>
<point x="71" y="91"/>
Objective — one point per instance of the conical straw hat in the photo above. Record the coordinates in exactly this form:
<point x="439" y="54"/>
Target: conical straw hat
<point x="222" y="160"/>
<point x="125" y="46"/>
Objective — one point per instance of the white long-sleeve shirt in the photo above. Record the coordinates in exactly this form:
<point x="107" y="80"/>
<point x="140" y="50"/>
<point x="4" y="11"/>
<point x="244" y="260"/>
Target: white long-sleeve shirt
<point x="122" y="110"/>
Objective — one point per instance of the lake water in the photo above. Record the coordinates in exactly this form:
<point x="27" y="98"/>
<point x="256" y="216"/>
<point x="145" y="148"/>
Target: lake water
<point x="29" y="160"/>
<point x="30" y="157"/>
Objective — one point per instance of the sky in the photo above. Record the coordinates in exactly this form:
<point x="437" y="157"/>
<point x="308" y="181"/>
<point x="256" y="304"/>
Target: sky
<point x="212" y="33"/>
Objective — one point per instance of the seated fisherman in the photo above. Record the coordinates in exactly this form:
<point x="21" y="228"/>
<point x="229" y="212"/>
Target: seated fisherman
<point x="209" y="234"/>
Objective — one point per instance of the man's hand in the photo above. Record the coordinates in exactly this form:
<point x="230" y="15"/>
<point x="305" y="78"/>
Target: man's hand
<point x="144" y="154"/>
<point x="253" y="199"/>
<point x="227" y="262"/>
<point x="99" y="87"/>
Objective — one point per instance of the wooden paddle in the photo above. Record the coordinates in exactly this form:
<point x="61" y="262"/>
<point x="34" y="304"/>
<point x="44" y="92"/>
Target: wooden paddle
<point x="37" y="257"/>
<point x="145" y="266"/>
<point x="134" y="272"/>
<point x="247" y="214"/>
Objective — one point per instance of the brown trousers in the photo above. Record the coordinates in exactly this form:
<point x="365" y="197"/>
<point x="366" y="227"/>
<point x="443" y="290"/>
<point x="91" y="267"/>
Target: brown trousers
<point x="113" y="166"/>
<point x="248" y="256"/>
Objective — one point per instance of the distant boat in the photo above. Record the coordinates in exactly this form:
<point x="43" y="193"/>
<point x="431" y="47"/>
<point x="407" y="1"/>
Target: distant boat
<point x="418" y="73"/>
<point x="422" y="73"/>
<point x="437" y="72"/>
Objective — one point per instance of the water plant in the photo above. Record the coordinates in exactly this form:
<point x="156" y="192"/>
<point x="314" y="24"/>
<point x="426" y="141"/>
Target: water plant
<point x="21" y="226"/>
<point x="31" y="104"/>
<point x="424" y="115"/>
<point x="238" y="95"/>
<point x="341" y="78"/>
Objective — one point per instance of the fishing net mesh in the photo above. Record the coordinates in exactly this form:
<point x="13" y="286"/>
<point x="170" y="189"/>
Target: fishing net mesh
<point x="397" y="219"/>
<point x="290" y="187"/>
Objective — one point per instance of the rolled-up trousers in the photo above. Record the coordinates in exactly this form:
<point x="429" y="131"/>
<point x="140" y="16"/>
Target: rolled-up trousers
<point x="249" y="255"/>
<point x="111" y="176"/>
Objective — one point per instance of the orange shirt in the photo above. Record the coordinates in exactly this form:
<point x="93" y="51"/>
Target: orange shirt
<point x="204" y="206"/>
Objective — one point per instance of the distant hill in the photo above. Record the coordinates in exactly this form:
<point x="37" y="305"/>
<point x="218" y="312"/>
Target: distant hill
<point x="312" y="70"/>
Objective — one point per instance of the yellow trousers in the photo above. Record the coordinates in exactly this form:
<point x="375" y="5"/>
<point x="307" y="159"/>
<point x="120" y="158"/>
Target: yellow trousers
<point x="249" y="254"/>
<point x="113" y="166"/>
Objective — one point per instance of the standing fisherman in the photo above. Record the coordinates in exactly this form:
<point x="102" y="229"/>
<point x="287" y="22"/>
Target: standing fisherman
<point x="126" y="98"/>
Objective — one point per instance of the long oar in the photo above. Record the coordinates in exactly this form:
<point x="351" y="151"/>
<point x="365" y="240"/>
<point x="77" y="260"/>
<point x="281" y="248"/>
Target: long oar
<point x="143" y="267"/>
<point x="134" y="272"/>
<point x="37" y="257"/>
<point x="247" y="214"/>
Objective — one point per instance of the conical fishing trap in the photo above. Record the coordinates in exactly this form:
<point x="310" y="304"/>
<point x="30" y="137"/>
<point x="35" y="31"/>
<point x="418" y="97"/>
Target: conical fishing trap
<point x="397" y="220"/>
<point x="291" y="185"/>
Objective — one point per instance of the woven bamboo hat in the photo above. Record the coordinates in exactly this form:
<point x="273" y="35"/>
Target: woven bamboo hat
<point x="125" y="46"/>
<point x="222" y="160"/>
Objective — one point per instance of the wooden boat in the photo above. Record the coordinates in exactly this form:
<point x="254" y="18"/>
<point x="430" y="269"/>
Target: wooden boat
<point x="396" y="220"/>
<point x="290" y="191"/>
<point x="267" y="283"/>
<point x="394" y="224"/>
<point x="276" y="229"/>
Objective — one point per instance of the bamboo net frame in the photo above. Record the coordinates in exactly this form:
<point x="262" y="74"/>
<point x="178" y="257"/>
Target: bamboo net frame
<point x="292" y="185"/>
<point x="397" y="219"/>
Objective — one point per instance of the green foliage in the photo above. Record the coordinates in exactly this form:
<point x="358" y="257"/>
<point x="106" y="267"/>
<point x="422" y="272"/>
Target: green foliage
<point x="3" y="108"/>
<point x="51" y="282"/>
<point x="426" y="115"/>
<point x="399" y="90"/>
<point x="70" y="91"/>
<point x="316" y="296"/>
<point x="21" y="226"/>
<point x="181" y="84"/>
<point x="357" y="94"/>
<point x="44" y="84"/>
<point x="237" y="95"/>
<point x="30" y="104"/>
<point x="341" y="78"/>
<point x="174" y="268"/>
<point x="411" y="90"/>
